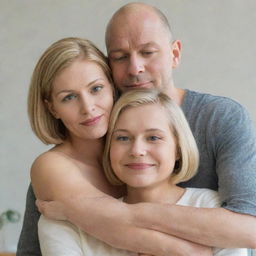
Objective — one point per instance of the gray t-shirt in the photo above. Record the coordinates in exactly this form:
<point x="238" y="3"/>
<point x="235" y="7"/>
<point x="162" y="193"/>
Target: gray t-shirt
<point x="227" y="143"/>
<point x="226" y="139"/>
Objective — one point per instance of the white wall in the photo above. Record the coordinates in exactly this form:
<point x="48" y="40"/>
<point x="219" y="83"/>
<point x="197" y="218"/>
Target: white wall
<point x="219" y="50"/>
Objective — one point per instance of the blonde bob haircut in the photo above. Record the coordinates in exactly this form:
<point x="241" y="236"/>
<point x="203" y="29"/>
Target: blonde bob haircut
<point x="187" y="164"/>
<point x="57" y="57"/>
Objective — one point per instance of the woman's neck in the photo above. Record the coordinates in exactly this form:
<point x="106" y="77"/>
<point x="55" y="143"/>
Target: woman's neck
<point x="86" y="151"/>
<point x="164" y="193"/>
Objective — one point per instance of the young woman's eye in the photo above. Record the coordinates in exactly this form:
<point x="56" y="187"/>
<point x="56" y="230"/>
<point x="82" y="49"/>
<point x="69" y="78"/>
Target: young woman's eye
<point x="122" y="138"/>
<point x="97" y="88"/>
<point x="69" y="97"/>
<point x="153" y="138"/>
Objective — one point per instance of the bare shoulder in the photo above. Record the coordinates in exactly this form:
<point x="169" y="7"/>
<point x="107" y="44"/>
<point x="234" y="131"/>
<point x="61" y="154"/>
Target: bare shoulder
<point x="53" y="173"/>
<point x="51" y="160"/>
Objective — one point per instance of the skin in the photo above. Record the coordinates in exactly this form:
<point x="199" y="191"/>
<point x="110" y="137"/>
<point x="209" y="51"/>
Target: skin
<point x="143" y="155"/>
<point x="83" y="103"/>
<point x="141" y="51"/>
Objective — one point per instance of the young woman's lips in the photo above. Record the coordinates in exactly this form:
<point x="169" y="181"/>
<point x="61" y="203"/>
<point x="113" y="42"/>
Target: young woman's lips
<point x="139" y="166"/>
<point x="91" y="121"/>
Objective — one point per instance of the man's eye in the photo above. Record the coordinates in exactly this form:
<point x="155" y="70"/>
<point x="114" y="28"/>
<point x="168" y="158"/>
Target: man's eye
<point x="69" y="97"/>
<point x="119" y="58"/>
<point x="148" y="53"/>
<point x="122" y="138"/>
<point x="97" y="88"/>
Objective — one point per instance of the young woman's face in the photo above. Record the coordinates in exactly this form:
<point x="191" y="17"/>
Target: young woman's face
<point x="82" y="98"/>
<point x="143" y="148"/>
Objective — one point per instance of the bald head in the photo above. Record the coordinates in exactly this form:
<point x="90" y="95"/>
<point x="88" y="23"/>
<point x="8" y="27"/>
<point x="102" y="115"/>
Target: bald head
<point x="136" y="12"/>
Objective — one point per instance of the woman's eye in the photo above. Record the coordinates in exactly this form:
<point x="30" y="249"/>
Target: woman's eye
<point x="69" y="97"/>
<point x="122" y="138"/>
<point x="97" y="88"/>
<point x="154" y="138"/>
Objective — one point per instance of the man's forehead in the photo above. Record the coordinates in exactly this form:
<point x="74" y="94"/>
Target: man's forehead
<point x="134" y="26"/>
<point x="140" y="37"/>
<point x="125" y="47"/>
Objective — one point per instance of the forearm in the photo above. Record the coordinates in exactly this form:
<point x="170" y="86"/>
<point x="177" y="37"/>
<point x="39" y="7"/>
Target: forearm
<point x="215" y="227"/>
<point x="113" y="222"/>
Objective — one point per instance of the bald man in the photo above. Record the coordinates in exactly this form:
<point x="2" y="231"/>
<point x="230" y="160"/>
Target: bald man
<point x="142" y="54"/>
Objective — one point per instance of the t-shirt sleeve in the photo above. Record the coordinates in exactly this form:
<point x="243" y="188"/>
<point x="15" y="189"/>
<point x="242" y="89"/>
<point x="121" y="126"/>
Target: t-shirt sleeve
<point x="28" y="244"/>
<point x="235" y="157"/>
<point x="58" y="238"/>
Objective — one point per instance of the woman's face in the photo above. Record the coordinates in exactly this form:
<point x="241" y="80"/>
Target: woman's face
<point x="143" y="148"/>
<point x="82" y="98"/>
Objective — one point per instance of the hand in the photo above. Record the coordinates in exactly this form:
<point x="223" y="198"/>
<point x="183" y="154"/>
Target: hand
<point x="51" y="209"/>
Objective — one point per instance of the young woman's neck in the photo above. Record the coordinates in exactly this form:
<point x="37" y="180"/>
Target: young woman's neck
<point x="164" y="193"/>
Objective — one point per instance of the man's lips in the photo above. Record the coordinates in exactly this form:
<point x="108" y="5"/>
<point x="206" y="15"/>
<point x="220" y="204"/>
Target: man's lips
<point x="91" y="121"/>
<point x="139" y="166"/>
<point x="138" y="85"/>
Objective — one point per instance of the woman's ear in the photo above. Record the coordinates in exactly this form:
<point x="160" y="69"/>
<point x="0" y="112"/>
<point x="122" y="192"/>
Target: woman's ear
<point x="178" y="153"/>
<point x="50" y="107"/>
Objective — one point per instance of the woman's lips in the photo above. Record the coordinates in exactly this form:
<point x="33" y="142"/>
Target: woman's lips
<point x="139" y="166"/>
<point x="91" y="121"/>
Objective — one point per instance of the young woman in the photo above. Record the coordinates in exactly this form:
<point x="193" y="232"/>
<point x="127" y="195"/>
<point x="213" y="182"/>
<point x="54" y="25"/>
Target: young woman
<point x="150" y="148"/>
<point x="69" y="104"/>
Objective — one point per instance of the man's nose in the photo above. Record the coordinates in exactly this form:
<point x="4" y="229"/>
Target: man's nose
<point x="136" y="65"/>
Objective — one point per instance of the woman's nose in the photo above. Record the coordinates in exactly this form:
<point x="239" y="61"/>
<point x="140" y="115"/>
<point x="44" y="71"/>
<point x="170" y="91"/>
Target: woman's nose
<point x="87" y="104"/>
<point x="138" y="149"/>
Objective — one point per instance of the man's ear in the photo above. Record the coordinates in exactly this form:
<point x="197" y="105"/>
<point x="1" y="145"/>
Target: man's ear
<point x="176" y="53"/>
<point x="50" y="107"/>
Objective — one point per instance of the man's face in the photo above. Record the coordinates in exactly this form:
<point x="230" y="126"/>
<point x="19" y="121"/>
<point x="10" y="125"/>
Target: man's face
<point x="141" y="53"/>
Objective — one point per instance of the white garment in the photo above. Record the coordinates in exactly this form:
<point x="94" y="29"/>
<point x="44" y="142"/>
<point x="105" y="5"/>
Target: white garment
<point x="61" y="238"/>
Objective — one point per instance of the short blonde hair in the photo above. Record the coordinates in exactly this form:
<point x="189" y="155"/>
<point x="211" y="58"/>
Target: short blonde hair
<point x="57" y="57"/>
<point x="186" y="145"/>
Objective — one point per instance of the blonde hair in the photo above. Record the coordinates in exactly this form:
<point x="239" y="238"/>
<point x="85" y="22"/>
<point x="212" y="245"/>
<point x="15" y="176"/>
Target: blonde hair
<point x="57" y="57"/>
<point x="186" y="145"/>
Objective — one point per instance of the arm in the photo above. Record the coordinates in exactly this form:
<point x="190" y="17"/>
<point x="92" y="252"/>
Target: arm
<point x="224" y="225"/>
<point x="28" y="244"/>
<point x="227" y="143"/>
<point x="215" y="227"/>
<point x="104" y="217"/>
<point x="230" y="137"/>
<point x="108" y="220"/>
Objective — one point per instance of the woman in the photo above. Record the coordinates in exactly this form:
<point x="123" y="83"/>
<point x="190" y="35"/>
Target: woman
<point x="150" y="148"/>
<point x="70" y="100"/>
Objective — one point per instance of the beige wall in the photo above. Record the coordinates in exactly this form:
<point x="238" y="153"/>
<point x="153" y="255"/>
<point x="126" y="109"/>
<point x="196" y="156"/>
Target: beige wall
<point x="219" y="53"/>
